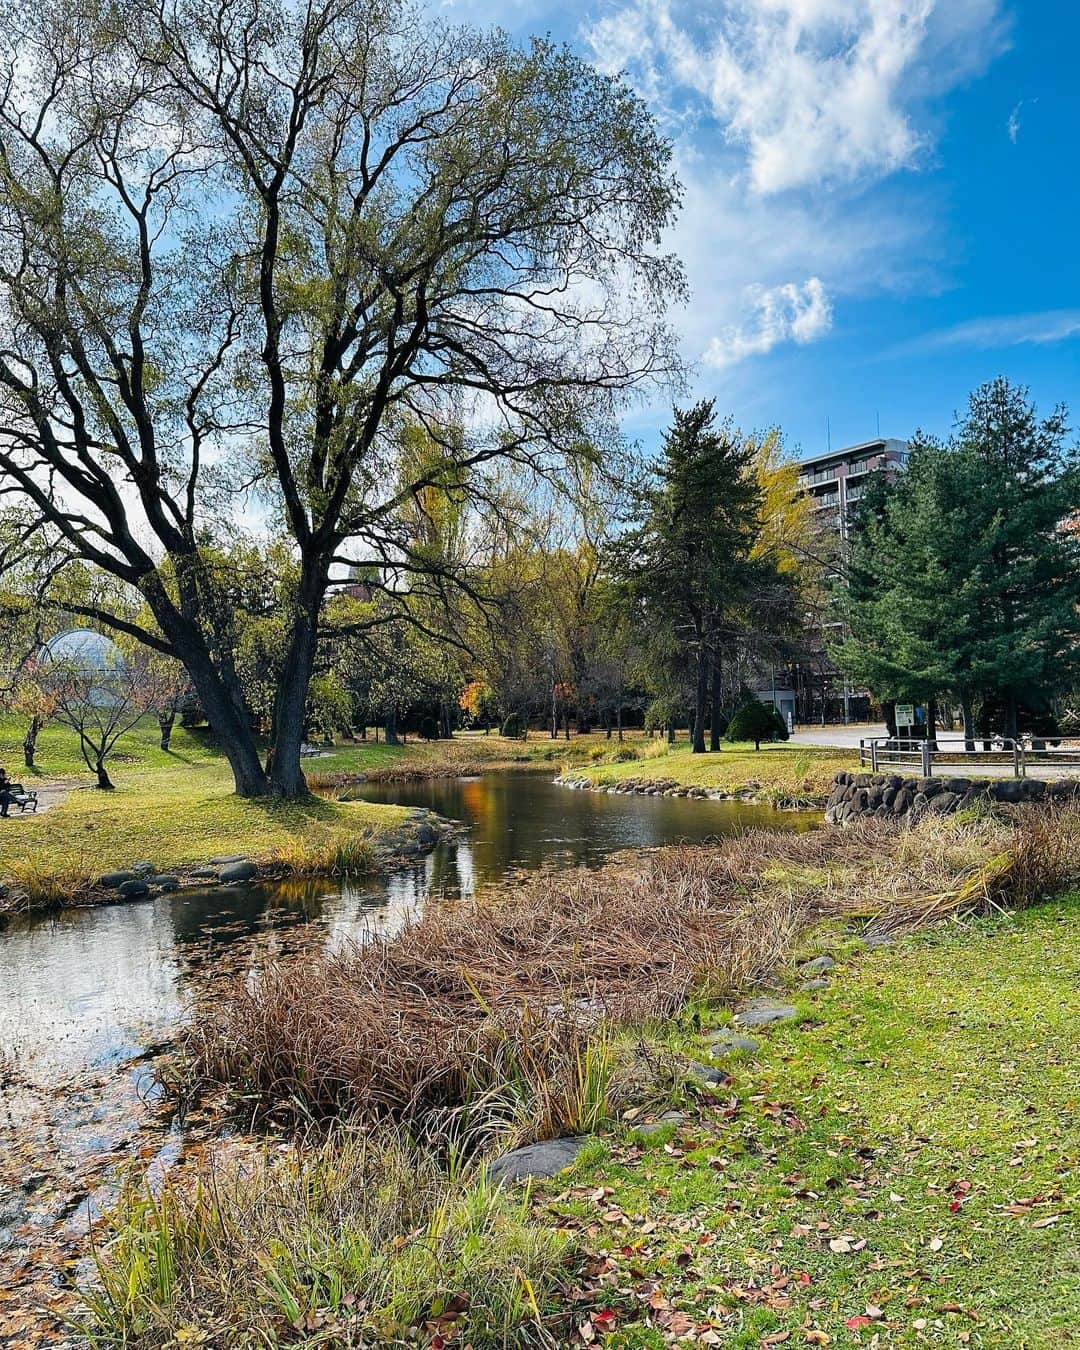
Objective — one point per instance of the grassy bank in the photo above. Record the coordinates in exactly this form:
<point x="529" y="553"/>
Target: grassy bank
<point x="780" y="773"/>
<point x="175" y="810"/>
<point x="897" y="1169"/>
<point x="892" y="1159"/>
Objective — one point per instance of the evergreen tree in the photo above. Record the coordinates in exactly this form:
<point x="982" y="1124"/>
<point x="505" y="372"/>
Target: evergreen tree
<point x="961" y="575"/>
<point x="688" y="564"/>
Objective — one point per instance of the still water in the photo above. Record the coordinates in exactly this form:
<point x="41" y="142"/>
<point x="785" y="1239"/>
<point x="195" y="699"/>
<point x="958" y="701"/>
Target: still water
<point x="93" y="990"/>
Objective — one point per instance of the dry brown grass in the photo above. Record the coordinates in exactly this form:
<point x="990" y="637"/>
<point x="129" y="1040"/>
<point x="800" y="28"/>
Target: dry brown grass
<point x="492" y="1006"/>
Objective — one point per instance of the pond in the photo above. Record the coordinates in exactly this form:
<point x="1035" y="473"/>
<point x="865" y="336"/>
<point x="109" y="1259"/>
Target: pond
<point x="89" y="998"/>
<point x="89" y="988"/>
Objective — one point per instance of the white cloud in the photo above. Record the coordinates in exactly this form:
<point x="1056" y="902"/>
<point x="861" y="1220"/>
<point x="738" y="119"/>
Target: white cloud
<point x="791" y="312"/>
<point x="812" y="91"/>
<point x="1012" y="126"/>
<point x="1005" y="330"/>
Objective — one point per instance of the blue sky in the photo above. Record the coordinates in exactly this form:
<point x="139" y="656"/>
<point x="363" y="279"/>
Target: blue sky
<point x="882" y="198"/>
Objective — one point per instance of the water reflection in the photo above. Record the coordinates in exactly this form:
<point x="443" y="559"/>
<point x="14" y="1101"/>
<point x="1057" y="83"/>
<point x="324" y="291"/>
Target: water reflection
<point x="92" y="988"/>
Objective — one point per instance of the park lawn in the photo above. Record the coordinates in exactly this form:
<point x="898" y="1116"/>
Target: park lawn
<point x="179" y="817"/>
<point x="780" y="772"/>
<point x="174" y="809"/>
<point x="898" y="1168"/>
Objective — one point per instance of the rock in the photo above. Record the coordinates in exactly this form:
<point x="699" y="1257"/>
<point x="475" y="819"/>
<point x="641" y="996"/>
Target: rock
<point x="134" y="889"/>
<point x="227" y="858"/>
<point x="1011" y="790"/>
<point x="903" y="802"/>
<point x="930" y="787"/>
<point x="143" y="869"/>
<point x="205" y="873"/>
<point x="818" y="966"/>
<point x="537" y="1160"/>
<point x="808" y="986"/>
<point x="239" y="871"/>
<point x="944" y="802"/>
<point x="167" y="882"/>
<point x="668" y="1120"/>
<point x="957" y="785"/>
<point x="762" y="1012"/>
<point x="1035" y="789"/>
<point x="706" y="1075"/>
<point x="920" y="803"/>
<point x="114" y="880"/>
<point x="728" y="1042"/>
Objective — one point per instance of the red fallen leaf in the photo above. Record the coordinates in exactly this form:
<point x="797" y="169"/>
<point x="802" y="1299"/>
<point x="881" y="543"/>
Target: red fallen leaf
<point x="437" y="1343"/>
<point x="857" y="1323"/>
<point x="954" y="1207"/>
<point x="605" y="1318"/>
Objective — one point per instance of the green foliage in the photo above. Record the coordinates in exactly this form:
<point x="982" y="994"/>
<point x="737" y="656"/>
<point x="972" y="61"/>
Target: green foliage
<point x="756" y="721"/>
<point x="703" y="583"/>
<point x="961" y="579"/>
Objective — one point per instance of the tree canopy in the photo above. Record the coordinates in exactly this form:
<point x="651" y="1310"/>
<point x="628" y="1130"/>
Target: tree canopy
<point x="250" y="252"/>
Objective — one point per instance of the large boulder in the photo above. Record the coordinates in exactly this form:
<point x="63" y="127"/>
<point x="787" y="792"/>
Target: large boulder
<point x="134" y="889"/>
<point x="114" y="880"/>
<point x="537" y="1160"/>
<point x="244" y="870"/>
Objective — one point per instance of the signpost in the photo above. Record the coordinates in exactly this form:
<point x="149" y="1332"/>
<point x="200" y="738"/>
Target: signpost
<point x="905" y="716"/>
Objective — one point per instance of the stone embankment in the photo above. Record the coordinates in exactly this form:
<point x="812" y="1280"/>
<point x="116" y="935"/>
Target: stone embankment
<point x="857" y="796"/>
<point x="671" y="787"/>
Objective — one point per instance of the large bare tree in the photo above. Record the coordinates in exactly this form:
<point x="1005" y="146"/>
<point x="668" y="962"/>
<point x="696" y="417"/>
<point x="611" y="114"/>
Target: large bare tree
<point x="248" y="247"/>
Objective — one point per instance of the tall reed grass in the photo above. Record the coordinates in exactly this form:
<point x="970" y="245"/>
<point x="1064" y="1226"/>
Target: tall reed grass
<point x="346" y="1240"/>
<point x="490" y="1007"/>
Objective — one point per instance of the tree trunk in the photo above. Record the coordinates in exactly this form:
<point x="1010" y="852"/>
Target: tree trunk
<point x="716" y="711"/>
<point x="969" y="723"/>
<point x="229" y="722"/>
<point x="30" y="741"/>
<point x="104" y="782"/>
<point x="889" y="710"/>
<point x="219" y="694"/>
<point x="390" y="735"/>
<point x="290" y="705"/>
<point x="618" y="718"/>
<point x="671" y="733"/>
<point x="165" y="724"/>
<point x="701" y="700"/>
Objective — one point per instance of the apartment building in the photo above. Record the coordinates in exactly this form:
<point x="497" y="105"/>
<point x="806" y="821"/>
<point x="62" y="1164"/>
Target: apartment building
<point x="836" y="479"/>
<point x="834" y="482"/>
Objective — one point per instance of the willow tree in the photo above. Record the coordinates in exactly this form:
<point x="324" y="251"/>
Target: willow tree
<point x="244" y="244"/>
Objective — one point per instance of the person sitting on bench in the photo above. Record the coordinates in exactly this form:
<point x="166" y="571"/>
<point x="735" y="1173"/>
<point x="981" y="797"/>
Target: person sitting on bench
<point x="7" y="798"/>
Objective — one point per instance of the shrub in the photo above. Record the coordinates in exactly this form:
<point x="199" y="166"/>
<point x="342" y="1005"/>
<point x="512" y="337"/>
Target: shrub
<point x="623" y="754"/>
<point x="513" y="727"/>
<point x="756" y="721"/>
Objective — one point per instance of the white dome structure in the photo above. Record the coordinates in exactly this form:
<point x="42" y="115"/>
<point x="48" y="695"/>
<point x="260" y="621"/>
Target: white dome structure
<point x="84" y="648"/>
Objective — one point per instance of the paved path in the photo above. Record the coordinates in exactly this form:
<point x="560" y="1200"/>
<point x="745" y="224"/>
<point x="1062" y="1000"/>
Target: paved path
<point x="841" y="737"/>
<point x="49" y="795"/>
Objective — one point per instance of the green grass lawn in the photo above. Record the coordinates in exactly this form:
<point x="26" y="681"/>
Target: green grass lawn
<point x="174" y="809"/>
<point x="794" y="772"/>
<point x="899" y="1168"/>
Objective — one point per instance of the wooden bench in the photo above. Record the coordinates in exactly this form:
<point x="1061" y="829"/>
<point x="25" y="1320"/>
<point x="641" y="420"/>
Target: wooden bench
<point x="26" y="799"/>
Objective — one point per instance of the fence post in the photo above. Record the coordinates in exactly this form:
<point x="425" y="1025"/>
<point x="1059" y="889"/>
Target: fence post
<point x="1018" y="760"/>
<point x="873" y="756"/>
<point x="926" y="760"/>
